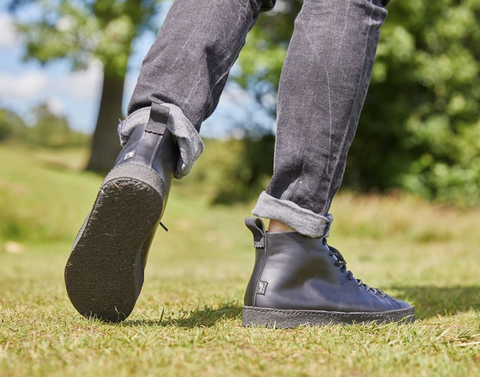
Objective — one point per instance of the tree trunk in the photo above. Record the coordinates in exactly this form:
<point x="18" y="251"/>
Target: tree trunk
<point x="105" y="143"/>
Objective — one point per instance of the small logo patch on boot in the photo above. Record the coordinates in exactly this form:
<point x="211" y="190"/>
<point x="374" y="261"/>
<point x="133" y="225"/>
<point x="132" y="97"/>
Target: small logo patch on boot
<point x="128" y="155"/>
<point x="262" y="287"/>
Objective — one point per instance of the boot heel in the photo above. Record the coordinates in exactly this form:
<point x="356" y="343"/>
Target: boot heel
<point x="139" y="173"/>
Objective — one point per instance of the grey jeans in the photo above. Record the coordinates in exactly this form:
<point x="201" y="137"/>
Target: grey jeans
<point x="322" y="89"/>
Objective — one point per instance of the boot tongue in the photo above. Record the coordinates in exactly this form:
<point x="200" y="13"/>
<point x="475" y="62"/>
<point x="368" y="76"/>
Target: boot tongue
<point x="257" y="227"/>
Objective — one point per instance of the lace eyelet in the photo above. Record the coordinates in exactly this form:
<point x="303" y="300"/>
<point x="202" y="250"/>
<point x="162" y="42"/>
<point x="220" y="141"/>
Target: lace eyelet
<point x="340" y="262"/>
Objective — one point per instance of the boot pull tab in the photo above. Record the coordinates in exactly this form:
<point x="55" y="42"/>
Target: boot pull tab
<point x="257" y="227"/>
<point x="157" y="123"/>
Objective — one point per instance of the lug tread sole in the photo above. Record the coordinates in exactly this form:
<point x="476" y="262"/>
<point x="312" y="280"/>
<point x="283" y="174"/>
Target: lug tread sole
<point x="104" y="274"/>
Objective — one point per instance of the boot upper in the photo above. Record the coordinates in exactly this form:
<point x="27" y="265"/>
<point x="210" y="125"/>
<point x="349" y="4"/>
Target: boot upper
<point x="293" y="271"/>
<point x="153" y="146"/>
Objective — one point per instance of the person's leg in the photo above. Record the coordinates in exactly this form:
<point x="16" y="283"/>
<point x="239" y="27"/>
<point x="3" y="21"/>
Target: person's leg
<point x="298" y="278"/>
<point x="179" y="86"/>
<point x="322" y="89"/>
<point x="188" y="65"/>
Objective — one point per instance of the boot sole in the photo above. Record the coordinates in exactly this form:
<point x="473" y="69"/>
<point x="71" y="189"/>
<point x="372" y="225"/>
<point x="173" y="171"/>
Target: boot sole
<point x="290" y="318"/>
<point x="105" y="272"/>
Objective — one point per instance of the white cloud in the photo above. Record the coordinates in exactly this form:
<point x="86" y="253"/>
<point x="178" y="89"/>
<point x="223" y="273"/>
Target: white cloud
<point x="8" y="35"/>
<point x="235" y="94"/>
<point x="24" y="86"/>
<point x="37" y="83"/>
<point x="281" y="6"/>
<point x="56" y="106"/>
<point x="81" y="84"/>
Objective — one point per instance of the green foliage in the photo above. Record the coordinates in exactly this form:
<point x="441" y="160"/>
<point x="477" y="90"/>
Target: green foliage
<point x="262" y="57"/>
<point x="429" y="63"/>
<point x="10" y="124"/>
<point x="51" y="130"/>
<point x="48" y="130"/>
<point x="420" y="126"/>
<point x="84" y="30"/>
<point x="233" y="170"/>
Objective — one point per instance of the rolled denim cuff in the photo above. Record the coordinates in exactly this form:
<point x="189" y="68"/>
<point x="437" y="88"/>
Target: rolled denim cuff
<point x="189" y="141"/>
<point x="292" y="215"/>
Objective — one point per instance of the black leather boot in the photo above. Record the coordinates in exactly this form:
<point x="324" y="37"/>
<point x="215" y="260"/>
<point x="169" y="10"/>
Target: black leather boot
<point x="105" y="271"/>
<point x="298" y="280"/>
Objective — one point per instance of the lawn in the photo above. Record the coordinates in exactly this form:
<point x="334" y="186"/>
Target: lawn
<point x="187" y="320"/>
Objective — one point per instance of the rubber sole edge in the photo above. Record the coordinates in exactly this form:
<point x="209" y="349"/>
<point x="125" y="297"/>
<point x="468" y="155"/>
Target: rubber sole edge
<point x="290" y="318"/>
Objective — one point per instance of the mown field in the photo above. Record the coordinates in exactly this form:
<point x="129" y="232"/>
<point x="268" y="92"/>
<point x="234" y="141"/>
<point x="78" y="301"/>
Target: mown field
<point x="187" y="320"/>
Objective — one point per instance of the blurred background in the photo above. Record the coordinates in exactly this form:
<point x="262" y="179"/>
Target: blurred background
<point x="406" y="217"/>
<point x="68" y="69"/>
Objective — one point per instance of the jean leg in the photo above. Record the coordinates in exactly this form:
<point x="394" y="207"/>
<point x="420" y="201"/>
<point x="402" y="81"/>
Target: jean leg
<point x="197" y="45"/>
<point x="188" y="65"/>
<point x="321" y="94"/>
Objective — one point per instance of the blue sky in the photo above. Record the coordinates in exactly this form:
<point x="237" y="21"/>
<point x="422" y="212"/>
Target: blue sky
<point x="75" y="94"/>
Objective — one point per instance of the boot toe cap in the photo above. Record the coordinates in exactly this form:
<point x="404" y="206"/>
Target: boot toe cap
<point x="402" y="304"/>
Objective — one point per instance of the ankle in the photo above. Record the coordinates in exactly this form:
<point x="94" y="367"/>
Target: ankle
<point x="278" y="227"/>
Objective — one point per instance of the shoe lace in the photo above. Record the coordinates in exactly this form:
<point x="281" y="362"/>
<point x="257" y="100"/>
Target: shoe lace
<point x="342" y="263"/>
<point x="163" y="226"/>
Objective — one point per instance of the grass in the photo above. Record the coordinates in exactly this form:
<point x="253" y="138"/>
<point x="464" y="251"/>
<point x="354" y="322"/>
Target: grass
<point x="187" y="320"/>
